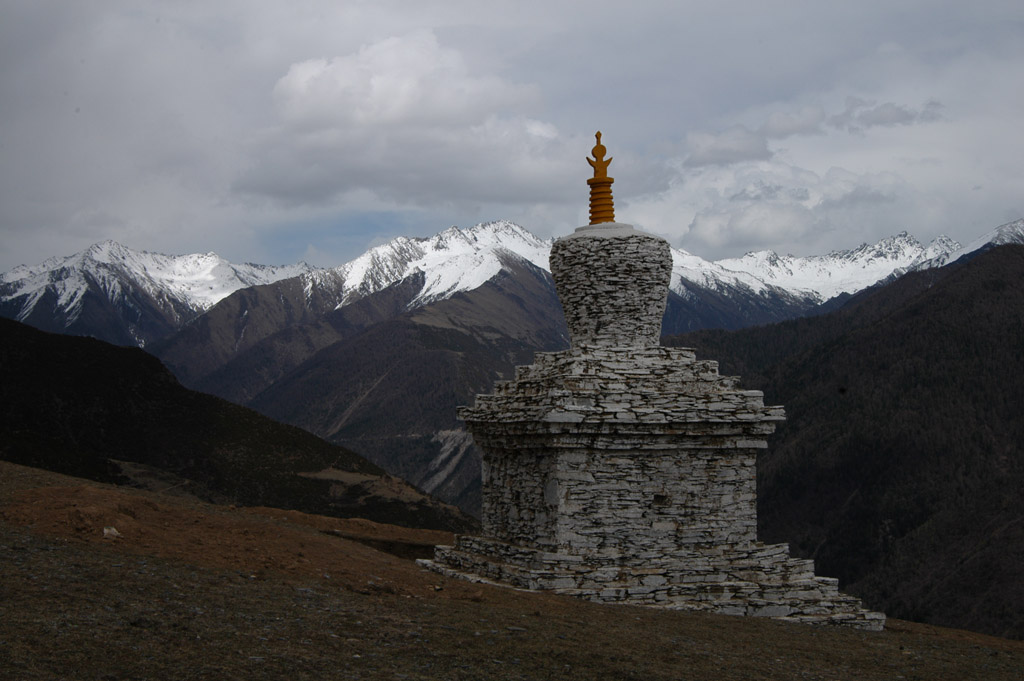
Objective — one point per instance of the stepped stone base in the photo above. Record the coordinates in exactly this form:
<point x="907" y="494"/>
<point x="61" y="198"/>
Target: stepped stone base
<point x="759" y="580"/>
<point x="622" y="471"/>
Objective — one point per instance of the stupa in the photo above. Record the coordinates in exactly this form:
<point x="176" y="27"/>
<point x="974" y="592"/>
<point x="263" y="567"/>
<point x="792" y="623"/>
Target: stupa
<point x="623" y="471"/>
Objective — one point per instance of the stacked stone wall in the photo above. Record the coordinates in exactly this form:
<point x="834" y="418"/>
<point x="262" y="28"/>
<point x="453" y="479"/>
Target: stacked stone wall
<point x="597" y="270"/>
<point x="755" y="580"/>
<point x="623" y="471"/>
<point x="632" y="503"/>
<point x="620" y="502"/>
<point x="516" y="509"/>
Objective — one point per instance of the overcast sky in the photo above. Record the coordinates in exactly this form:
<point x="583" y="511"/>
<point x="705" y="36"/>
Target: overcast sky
<point x="311" y="130"/>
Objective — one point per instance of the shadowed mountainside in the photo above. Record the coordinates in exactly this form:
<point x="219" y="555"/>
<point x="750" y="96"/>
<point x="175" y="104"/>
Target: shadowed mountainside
<point x="390" y="391"/>
<point x="86" y="408"/>
<point x="384" y="377"/>
<point x="125" y="319"/>
<point x="900" y="469"/>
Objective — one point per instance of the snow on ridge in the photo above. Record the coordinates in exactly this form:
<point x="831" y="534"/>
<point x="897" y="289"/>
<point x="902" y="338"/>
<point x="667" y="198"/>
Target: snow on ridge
<point x="453" y="260"/>
<point x="458" y="259"/>
<point x="944" y="250"/>
<point x="827" y="276"/>
<point x="1009" y="233"/>
<point x="462" y="260"/>
<point x="710" y="274"/>
<point x="200" y="280"/>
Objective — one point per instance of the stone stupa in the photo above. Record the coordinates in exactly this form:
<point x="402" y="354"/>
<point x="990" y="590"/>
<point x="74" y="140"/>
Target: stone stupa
<point x="623" y="471"/>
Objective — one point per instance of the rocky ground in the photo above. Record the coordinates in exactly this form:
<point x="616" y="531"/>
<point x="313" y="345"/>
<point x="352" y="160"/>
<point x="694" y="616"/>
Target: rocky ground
<point x="187" y="590"/>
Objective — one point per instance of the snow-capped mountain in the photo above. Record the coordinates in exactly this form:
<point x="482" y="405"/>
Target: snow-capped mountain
<point x="827" y="276"/>
<point x="1010" y="233"/>
<point x="461" y="260"/>
<point x="135" y="297"/>
<point x="452" y="261"/>
<point x="149" y="293"/>
<point x="271" y="337"/>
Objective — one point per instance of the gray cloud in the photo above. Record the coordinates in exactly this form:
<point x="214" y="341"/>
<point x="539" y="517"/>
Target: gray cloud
<point x="806" y="121"/>
<point x="408" y="80"/>
<point x="861" y="114"/>
<point x="857" y="196"/>
<point x="254" y="127"/>
<point x="731" y="146"/>
<point x="405" y="119"/>
<point x="759" y="190"/>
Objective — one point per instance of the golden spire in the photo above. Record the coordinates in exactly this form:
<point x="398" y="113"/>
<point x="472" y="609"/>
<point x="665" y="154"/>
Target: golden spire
<point x="602" y="209"/>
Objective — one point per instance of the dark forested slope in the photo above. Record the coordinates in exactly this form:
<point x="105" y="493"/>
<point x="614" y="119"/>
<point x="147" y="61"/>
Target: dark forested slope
<point x="901" y="467"/>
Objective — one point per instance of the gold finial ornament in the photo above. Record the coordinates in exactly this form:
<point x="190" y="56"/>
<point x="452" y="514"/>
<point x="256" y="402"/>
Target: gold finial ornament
<point x="598" y="163"/>
<point x="602" y="208"/>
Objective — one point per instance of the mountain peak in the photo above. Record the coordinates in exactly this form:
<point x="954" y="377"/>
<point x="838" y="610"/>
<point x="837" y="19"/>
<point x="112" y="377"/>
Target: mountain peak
<point x="103" y="248"/>
<point x="452" y="260"/>
<point x="1009" y="233"/>
<point x="456" y="259"/>
<point x="841" y="271"/>
<point x="901" y="240"/>
<point x="898" y="247"/>
<point x="172" y="288"/>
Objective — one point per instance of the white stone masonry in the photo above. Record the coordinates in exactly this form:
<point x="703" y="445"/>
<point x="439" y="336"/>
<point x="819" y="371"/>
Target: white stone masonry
<point x="623" y="471"/>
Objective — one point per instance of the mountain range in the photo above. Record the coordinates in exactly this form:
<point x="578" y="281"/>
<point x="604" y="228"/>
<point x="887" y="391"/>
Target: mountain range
<point x="133" y="297"/>
<point x="375" y="354"/>
<point x="123" y="296"/>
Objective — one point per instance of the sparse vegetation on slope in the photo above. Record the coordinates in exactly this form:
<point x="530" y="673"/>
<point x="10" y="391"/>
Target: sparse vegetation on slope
<point x="192" y="591"/>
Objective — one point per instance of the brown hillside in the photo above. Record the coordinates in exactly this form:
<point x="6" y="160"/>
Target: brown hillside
<point x="195" y="591"/>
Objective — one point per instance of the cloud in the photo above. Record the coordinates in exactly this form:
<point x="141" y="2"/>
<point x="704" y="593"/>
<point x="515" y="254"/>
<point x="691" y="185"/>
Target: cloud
<point x="400" y="81"/>
<point x="739" y="143"/>
<point x="257" y="128"/>
<point x="755" y="223"/>
<point x="861" y="114"/>
<point x="806" y="121"/>
<point x="719" y="211"/>
<point x="405" y="119"/>
<point x="731" y="146"/>
<point x="844" y="190"/>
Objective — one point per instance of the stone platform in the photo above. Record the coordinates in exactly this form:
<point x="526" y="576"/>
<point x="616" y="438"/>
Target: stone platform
<point x="629" y="475"/>
<point x="759" y="580"/>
